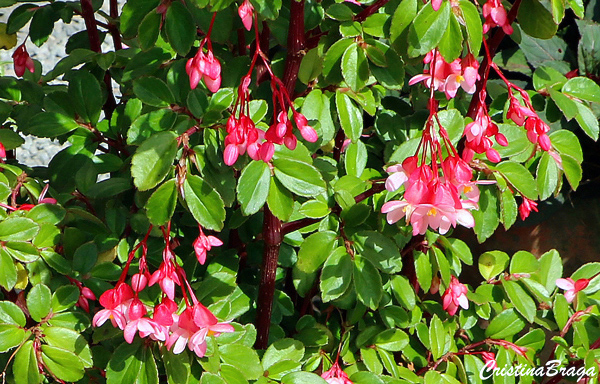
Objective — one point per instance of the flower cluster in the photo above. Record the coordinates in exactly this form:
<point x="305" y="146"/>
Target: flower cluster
<point x="242" y="134"/>
<point x="449" y="77"/>
<point x="85" y="294"/>
<point x="22" y="61"/>
<point x="204" y="66"/>
<point x="455" y="296"/>
<point x="335" y="375"/>
<point x="495" y="16"/>
<point x="478" y="132"/>
<point x="123" y="307"/>
<point x="437" y="194"/>
<point x="524" y="115"/>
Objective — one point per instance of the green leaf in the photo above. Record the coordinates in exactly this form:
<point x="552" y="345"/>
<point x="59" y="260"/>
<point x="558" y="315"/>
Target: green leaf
<point x="551" y="269"/>
<point x="506" y="324"/>
<point x="564" y="103"/>
<point x="10" y="139"/>
<point x="520" y="178"/>
<point x="355" y="68"/>
<point x="337" y="275"/>
<point x="64" y="298"/>
<point x="10" y="313"/>
<point x="282" y="349"/>
<point x="86" y="95"/>
<point x="153" y="160"/>
<point x="147" y="124"/>
<point x="10" y="337"/>
<point x="314" y="209"/>
<point x="393" y="340"/>
<point x="438" y="338"/>
<point x="18" y="229"/>
<point x="451" y="44"/>
<point x="311" y="66"/>
<point x="64" y="364"/>
<point x="547" y="176"/>
<point x="69" y="340"/>
<point x="302" y="378"/>
<point x="85" y="257"/>
<point x="566" y="143"/>
<point x="132" y="364"/>
<point x="473" y="25"/>
<point x="243" y="358"/>
<point x="427" y="29"/>
<point x="340" y="12"/>
<point x="313" y="252"/>
<point x="587" y="120"/>
<point x="25" y="367"/>
<point x="572" y="170"/>
<point x="333" y="60"/>
<point x="582" y="88"/>
<point x="8" y="271"/>
<point x="152" y="90"/>
<point x="149" y="30"/>
<point x="367" y="281"/>
<point x="492" y="263"/>
<point x="403" y="291"/>
<point x="299" y="177"/>
<point x="520" y="299"/>
<point x="22" y="251"/>
<point x="423" y="269"/>
<point x="204" y="203"/>
<point x="401" y="20"/>
<point x="350" y="116"/>
<point x="19" y="18"/>
<point x="133" y="13"/>
<point x="280" y="200"/>
<point x="253" y="187"/>
<point x="177" y="367"/>
<point x="50" y="124"/>
<point x="380" y="250"/>
<point x="486" y="218"/>
<point x="558" y="10"/>
<point x="161" y="204"/>
<point x="355" y="159"/>
<point x="535" y="20"/>
<point x="47" y="214"/>
<point x="39" y="300"/>
<point x="109" y="188"/>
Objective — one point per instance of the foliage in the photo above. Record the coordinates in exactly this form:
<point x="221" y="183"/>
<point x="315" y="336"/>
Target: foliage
<point x="265" y="192"/>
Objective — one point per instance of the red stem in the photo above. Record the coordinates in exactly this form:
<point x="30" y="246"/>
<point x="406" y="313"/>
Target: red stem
<point x="114" y="30"/>
<point x="371" y="9"/>
<point x="272" y="233"/>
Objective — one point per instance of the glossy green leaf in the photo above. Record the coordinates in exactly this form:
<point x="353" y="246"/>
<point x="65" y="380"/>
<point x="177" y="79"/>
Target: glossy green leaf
<point x="519" y="177"/>
<point x="243" y="358"/>
<point x="350" y="116"/>
<point x="161" y="204"/>
<point x="280" y="200"/>
<point x="427" y="29"/>
<point x="547" y="176"/>
<point x="153" y="160"/>
<point x="153" y="91"/>
<point x="149" y="30"/>
<point x="367" y="281"/>
<point x="64" y="364"/>
<point x="473" y="25"/>
<point x="10" y="337"/>
<point x="253" y="187"/>
<point x="451" y="44"/>
<point x="64" y="298"/>
<point x="355" y="159"/>
<point x="587" y="120"/>
<point x="86" y="95"/>
<point x="299" y="177"/>
<point x="10" y="313"/>
<point x="492" y="263"/>
<point x="506" y="324"/>
<point x="355" y="68"/>
<point x="566" y="143"/>
<point x="50" y="124"/>
<point x="337" y="274"/>
<point x="204" y="203"/>
<point x="572" y="170"/>
<point x="25" y="367"/>
<point x="536" y="20"/>
<point x="520" y="299"/>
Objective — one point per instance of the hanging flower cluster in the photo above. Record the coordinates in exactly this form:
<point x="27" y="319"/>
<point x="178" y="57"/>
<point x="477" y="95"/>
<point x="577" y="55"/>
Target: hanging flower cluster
<point x="495" y="16"/>
<point x="242" y="134"/>
<point x="455" y="296"/>
<point x="571" y="287"/>
<point x="205" y="66"/>
<point x="448" y="77"/>
<point x="335" y="375"/>
<point x="438" y="192"/>
<point x="127" y="312"/>
<point x="478" y="133"/>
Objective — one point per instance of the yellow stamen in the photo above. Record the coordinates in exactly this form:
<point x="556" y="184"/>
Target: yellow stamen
<point x="468" y="189"/>
<point x="459" y="78"/>
<point x="432" y="212"/>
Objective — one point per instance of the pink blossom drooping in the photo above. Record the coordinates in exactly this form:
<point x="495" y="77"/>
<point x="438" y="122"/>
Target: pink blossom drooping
<point x="22" y="61"/>
<point x="204" y="243"/>
<point x="204" y="66"/>
<point x="495" y="16"/>
<point x="455" y="296"/>
<point x="246" y="11"/>
<point x="526" y="207"/>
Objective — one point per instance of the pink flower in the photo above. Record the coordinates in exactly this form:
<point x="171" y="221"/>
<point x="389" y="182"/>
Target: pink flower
<point x="22" y="60"/>
<point x="166" y="275"/>
<point x="204" y="243"/>
<point x="246" y="10"/>
<point x="526" y="207"/>
<point x="2" y="151"/>
<point x="572" y="287"/>
<point x="335" y="375"/>
<point x="517" y="112"/>
<point x="308" y="133"/>
<point x="455" y="296"/>
<point x="115" y="302"/>
<point x="206" y="67"/>
<point x="495" y="16"/>
<point x="448" y="77"/>
<point x="489" y="358"/>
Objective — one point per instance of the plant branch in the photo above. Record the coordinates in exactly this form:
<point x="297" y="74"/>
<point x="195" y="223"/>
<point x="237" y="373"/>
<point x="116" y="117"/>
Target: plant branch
<point x="272" y="232"/>
<point x="371" y="9"/>
<point x="87" y="12"/>
<point x="112" y="27"/>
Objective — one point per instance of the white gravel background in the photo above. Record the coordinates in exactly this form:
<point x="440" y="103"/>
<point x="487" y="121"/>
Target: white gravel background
<point x="39" y="151"/>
